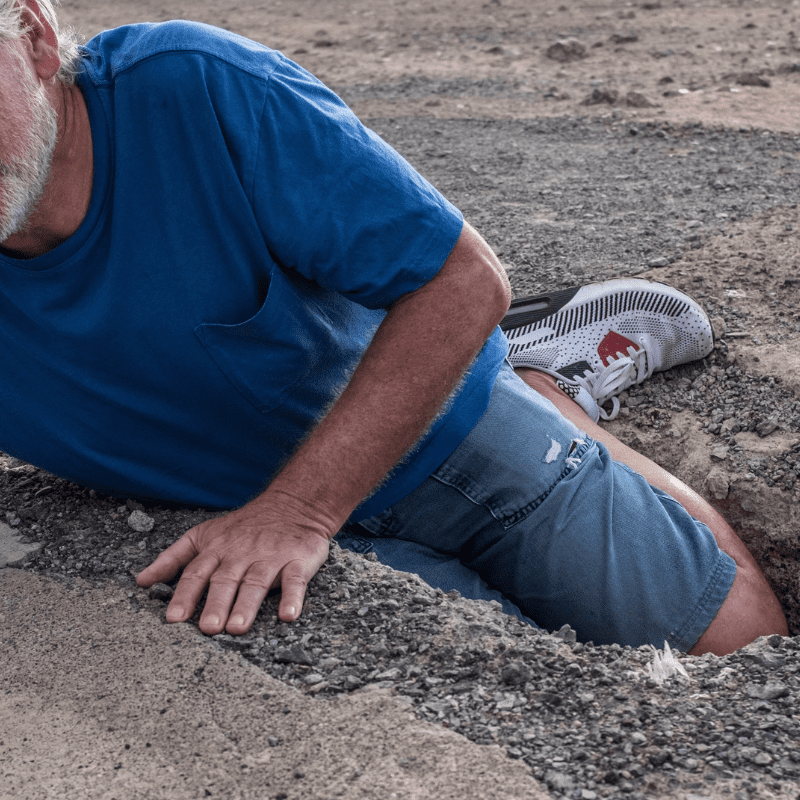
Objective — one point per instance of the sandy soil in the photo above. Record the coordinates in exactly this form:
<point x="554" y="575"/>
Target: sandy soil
<point x="681" y="60"/>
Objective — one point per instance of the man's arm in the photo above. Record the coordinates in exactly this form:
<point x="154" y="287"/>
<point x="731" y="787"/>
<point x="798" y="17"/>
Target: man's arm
<point x="419" y="353"/>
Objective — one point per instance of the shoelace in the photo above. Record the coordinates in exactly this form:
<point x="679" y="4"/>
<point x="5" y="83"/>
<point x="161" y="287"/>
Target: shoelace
<point x="621" y="372"/>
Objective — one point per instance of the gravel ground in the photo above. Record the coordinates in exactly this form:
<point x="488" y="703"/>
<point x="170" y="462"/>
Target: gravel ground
<point x="563" y="201"/>
<point x="567" y="200"/>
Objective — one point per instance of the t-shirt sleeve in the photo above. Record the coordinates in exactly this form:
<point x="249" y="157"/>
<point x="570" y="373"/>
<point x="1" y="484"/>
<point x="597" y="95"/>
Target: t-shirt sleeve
<point x="338" y="204"/>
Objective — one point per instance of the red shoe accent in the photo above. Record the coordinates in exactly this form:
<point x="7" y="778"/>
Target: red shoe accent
<point x="612" y="344"/>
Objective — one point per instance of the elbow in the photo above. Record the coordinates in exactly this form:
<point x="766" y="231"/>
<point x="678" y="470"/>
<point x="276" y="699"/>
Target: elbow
<point x="486" y="279"/>
<point x="500" y="292"/>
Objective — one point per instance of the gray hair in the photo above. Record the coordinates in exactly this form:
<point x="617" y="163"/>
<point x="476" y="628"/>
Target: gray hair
<point x="69" y="42"/>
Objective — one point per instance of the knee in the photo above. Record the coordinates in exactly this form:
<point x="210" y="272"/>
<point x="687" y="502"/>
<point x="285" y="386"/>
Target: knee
<point x="750" y="610"/>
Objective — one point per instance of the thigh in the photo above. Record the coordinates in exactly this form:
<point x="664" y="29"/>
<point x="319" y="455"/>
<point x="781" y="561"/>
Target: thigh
<point x="546" y="517"/>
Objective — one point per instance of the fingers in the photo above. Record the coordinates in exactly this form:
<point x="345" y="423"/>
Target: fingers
<point x="190" y="589"/>
<point x="226" y="584"/>
<point x="168" y="563"/>
<point x="238" y="564"/>
<point x="248" y="600"/>
<point x="247" y="590"/>
<point x="254" y="588"/>
<point x="294" y="580"/>
<point x="293" y="592"/>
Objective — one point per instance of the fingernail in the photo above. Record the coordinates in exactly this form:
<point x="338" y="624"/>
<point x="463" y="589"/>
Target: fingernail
<point x="237" y="619"/>
<point x="291" y="611"/>
<point x="174" y="614"/>
<point x="212" y="620"/>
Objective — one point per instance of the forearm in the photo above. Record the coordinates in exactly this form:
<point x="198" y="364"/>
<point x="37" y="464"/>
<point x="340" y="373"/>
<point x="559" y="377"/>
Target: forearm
<point x="414" y="362"/>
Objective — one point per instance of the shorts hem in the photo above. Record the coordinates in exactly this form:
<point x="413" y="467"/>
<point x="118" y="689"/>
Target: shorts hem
<point x="707" y="606"/>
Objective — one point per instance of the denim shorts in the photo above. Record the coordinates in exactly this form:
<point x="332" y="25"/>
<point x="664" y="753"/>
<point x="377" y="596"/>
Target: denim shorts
<point x="531" y="512"/>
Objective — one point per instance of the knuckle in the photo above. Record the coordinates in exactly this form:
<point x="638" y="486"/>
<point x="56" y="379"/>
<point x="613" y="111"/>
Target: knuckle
<point x="256" y="581"/>
<point x="223" y="578"/>
<point x="294" y="581"/>
<point x="193" y="576"/>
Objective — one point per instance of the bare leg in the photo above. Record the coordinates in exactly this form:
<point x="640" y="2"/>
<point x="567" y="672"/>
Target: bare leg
<point x="751" y="609"/>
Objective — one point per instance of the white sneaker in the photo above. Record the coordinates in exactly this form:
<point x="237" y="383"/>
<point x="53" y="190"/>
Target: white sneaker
<point x="599" y="339"/>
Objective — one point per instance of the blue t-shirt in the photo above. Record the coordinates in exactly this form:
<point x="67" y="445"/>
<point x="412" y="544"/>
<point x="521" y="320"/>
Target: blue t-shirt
<point x="244" y="235"/>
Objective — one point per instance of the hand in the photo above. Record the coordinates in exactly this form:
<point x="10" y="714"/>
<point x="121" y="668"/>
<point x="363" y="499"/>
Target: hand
<point x="240" y="557"/>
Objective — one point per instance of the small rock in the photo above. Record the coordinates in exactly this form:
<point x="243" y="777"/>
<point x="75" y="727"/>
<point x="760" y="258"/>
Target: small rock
<point x="141" y="522"/>
<point x="438" y="706"/>
<point x="599" y="96"/>
<point x="752" y="79"/>
<point x="566" y="634"/>
<point x="421" y="600"/>
<point x="573" y="671"/>
<point x="515" y="673"/>
<point x="624" y="37"/>
<point x="657" y="263"/>
<point x="659" y="757"/>
<point x="637" y="100"/>
<point x="554" y="93"/>
<point x="506" y="704"/>
<point x="719" y="327"/>
<point x="718" y="484"/>
<point x="160" y="591"/>
<point x="566" y="50"/>
<point x="720" y="452"/>
<point x="13" y="552"/>
<point x="771" y="690"/>
<point x="766" y="427"/>
<point x="760" y="651"/>
<point x="558" y="781"/>
<point x="394" y="674"/>
<point x="293" y="655"/>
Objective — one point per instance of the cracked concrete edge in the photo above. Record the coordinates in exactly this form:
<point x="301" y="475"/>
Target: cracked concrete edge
<point x="98" y="701"/>
<point x="13" y="551"/>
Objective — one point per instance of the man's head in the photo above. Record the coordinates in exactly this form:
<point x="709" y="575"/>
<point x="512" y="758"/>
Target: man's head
<point x="13" y="25"/>
<point x="34" y="60"/>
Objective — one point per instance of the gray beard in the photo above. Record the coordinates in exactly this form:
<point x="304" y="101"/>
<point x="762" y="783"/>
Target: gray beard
<point x="23" y="180"/>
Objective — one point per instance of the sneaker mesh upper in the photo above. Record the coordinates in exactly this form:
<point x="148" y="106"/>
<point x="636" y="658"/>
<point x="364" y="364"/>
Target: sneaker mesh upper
<point x="675" y="327"/>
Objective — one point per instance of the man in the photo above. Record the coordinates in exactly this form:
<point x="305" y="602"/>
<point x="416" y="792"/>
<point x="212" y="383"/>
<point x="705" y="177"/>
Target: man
<point x="215" y="280"/>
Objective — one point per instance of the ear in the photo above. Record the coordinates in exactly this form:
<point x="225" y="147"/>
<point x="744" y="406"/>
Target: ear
<point x="41" y="39"/>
